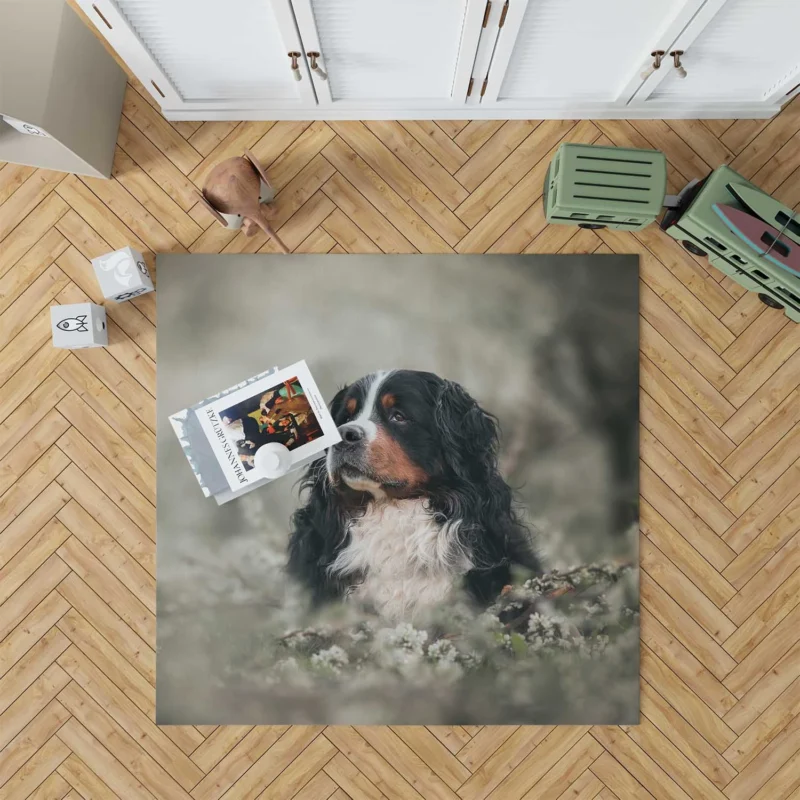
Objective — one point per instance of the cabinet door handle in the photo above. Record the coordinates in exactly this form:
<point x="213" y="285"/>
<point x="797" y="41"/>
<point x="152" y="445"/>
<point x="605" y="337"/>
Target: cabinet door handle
<point x="657" y="56"/>
<point x="313" y="56"/>
<point x="295" y="66"/>
<point x="676" y="58"/>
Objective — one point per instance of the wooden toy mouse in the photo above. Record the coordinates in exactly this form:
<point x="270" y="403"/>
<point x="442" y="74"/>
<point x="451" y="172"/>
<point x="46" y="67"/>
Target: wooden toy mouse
<point x="234" y="194"/>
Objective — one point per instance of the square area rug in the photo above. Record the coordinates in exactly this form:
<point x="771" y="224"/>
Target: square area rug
<point x="467" y="554"/>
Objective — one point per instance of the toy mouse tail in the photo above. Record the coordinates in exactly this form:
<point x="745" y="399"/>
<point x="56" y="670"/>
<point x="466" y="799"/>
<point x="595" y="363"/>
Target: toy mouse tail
<point x="270" y="231"/>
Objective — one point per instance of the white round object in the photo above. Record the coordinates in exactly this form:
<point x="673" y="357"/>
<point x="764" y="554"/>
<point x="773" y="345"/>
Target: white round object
<point x="273" y="460"/>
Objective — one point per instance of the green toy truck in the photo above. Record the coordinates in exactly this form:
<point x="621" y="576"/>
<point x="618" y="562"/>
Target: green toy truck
<point x="612" y="187"/>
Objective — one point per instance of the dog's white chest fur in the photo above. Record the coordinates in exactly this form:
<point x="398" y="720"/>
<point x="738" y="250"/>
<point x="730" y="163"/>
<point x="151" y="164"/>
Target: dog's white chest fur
<point x="403" y="559"/>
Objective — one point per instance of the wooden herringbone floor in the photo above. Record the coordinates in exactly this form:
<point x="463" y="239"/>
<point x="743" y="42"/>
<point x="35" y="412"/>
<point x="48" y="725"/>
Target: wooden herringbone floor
<point x="720" y="470"/>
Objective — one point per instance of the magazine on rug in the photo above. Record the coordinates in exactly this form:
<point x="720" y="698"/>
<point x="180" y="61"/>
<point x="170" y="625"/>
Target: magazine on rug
<point x="279" y="406"/>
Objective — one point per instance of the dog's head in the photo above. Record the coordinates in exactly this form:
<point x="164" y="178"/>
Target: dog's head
<point x="406" y="432"/>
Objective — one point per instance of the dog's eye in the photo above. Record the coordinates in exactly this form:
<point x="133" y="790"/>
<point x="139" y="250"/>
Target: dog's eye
<point x="350" y="408"/>
<point x="395" y="415"/>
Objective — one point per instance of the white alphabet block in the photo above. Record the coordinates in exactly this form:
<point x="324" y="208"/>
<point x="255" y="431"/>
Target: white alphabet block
<point x="79" y="325"/>
<point x="122" y="274"/>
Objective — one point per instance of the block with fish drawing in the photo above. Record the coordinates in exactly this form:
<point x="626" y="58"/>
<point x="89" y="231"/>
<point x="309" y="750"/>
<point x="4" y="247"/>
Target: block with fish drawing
<point x="122" y="275"/>
<point x="79" y="325"/>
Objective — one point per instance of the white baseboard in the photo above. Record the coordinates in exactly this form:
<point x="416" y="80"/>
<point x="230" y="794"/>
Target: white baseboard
<point x="649" y="111"/>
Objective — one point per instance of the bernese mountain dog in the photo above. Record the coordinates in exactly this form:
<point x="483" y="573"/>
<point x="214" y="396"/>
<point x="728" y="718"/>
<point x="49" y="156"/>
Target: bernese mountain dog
<point x="409" y="507"/>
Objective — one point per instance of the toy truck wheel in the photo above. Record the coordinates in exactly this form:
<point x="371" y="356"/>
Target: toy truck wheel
<point x="592" y="226"/>
<point x="769" y="301"/>
<point x="693" y="248"/>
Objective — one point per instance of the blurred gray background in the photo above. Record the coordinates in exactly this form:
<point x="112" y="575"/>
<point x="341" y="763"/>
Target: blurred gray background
<point x="549" y="344"/>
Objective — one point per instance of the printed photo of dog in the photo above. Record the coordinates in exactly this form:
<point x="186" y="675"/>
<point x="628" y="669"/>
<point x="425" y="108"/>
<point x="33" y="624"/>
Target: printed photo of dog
<point x="464" y="551"/>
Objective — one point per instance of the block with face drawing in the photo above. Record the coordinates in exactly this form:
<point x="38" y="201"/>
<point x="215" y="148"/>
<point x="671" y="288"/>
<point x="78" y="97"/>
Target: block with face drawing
<point x="122" y="275"/>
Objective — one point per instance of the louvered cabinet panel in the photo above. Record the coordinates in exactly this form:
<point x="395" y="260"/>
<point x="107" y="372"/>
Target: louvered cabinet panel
<point x="206" y="52"/>
<point x="388" y="52"/>
<point x="580" y="50"/>
<point x="747" y="51"/>
<point x="212" y="50"/>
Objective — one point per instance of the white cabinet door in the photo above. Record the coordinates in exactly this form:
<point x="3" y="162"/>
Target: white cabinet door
<point x="208" y="54"/>
<point x="393" y="54"/>
<point x="733" y="51"/>
<point x="578" y="53"/>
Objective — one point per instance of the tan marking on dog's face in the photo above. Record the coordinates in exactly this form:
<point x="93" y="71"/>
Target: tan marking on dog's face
<point x="388" y="401"/>
<point x="391" y="464"/>
<point x="350" y="405"/>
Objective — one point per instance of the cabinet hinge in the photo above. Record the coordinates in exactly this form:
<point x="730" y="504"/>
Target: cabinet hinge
<point x="503" y="15"/>
<point x="483" y="88"/>
<point x="486" y="13"/>
<point x="469" y="88"/>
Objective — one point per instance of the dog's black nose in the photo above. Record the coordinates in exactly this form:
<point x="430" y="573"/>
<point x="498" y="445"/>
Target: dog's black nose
<point x="352" y="434"/>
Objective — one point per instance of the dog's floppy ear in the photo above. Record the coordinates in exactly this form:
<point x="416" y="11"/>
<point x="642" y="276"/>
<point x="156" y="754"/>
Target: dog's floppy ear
<point x="318" y="531"/>
<point x="318" y="527"/>
<point x="469" y="433"/>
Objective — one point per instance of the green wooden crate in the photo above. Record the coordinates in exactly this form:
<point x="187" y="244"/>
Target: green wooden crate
<point x="701" y="231"/>
<point x="605" y="187"/>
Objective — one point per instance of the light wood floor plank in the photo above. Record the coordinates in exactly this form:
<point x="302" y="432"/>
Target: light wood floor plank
<point x="32" y="192"/>
<point x="155" y="164"/>
<point x="399" y="199"/>
<point x="437" y="143"/>
<point x="692" y="599"/>
<point x="31" y="484"/>
<point x="476" y="133"/>
<point x="12" y="176"/>
<point x="693" y="675"/>
<point x="159" y="131"/>
<point x="119" y="743"/>
<point x="84" y="782"/>
<point x="99" y="762"/>
<point x="686" y="702"/>
<point x="37" y="770"/>
<point x="350" y="780"/>
<point x="91" y="606"/>
<point x="764" y="437"/>
<point x="30" y="267"/>
<point x="30" y="522"/>
<point x="502" y="198"/>
<point x="511" y="753"/>
<point x="126" y="713"/>
<point x="679" y="514"/>
<point x="224" y="775"/>
<point x="691" y="635"/>
<point x="682" y="410"/>
<point x="147" y="192"/>
<point x="765" y="617"/>
<point x="277" y="140"/>
<point x="31" y="230"/>
<point x="267" y="768"/>
<point x="426" y="168"/>
<point x="209" y="135"/>
<point x="689" y="742"/>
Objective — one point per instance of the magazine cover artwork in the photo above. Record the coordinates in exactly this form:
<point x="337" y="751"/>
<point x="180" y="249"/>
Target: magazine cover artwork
<point x="284" y="407"/>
